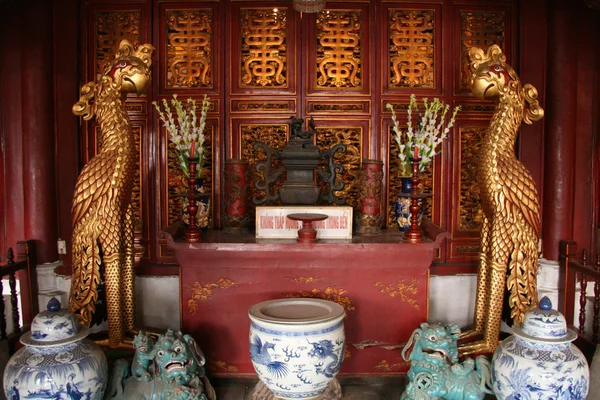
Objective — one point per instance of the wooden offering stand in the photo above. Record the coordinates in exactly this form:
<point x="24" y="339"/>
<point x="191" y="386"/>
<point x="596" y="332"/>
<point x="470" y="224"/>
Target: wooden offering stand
<point x="307" y="234"/>
<point x="414" y="234"/>
<point x="192" y="233"/>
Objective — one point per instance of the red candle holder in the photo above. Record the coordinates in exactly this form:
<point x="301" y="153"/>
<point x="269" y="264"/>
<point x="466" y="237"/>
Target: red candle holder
<point x="307" y="234"/>
<point x="192" y="233"/>
<point x="414" y="234"/>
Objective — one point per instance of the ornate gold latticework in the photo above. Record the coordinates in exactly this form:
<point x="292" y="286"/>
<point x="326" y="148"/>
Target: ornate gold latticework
<point x="479" y="29"/>
<point x="511" y="224"/>
<point x="471" y="214"/>
<point x="189" y="48"/>
<point x="264" y="48"/>
<point x="111" y="28"/>
<point x="339" y="49"/>
<point x="102" y="210"/>
<point x="411" y="54"/>
<point x="327" y="137"/>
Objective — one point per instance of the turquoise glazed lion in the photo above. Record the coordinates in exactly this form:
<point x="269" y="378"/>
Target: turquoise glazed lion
<point x="436" y="373"/>
<point x="169" y="369"/>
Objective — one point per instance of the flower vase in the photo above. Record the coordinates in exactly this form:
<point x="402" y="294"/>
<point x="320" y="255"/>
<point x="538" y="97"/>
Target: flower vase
<point x="403" y="203"/>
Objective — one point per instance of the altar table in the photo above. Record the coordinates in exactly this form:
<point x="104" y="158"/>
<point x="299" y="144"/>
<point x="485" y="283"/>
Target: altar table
<point x="381" y="281"/>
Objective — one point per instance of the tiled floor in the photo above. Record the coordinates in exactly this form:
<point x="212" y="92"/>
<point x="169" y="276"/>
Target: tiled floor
<point x="352" y="388"/>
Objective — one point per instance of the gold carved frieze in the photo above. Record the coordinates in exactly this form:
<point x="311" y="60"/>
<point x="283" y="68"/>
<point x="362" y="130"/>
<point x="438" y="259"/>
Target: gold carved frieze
<point x="470" y="212"/>
<point x="351" y="160"/>
<point x="395" y="184"/>
<point x="339" y="49"/>
<point x="467" y="249"/>
<point x="479" y="29"/>
<point x="203" y="293"/>
<point x="111" y="28"/>
<point x="263" y="105"/>
<point x="136" y="194"/>
<point x="273" y="135"/>
<point x="402" y="290"/>
<point x="411" y="48"/>
<point x="303" y="279"/>
<point x="327" y="107"/>
<point x="264" y="47"/>
<point x="178" y="184"/>
<point x="331" y="293"/>
<point x="189" y="48"/>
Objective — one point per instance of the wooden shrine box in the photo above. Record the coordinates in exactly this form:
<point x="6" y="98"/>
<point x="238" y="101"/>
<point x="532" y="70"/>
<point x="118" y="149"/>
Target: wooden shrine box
<point x="381" y="281"/>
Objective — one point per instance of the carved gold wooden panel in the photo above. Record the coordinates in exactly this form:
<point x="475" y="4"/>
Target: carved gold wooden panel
<point x="273" y="135"/>
<point x="189" y="48"/>
<point x="470" y="213"/>
<point x="480" y="29"/>
<point x="411" y="54"/>
<point x="264" y="47"/>
<point x="339" y="49"/>
<point x="326" y="138"/>
<point x="110" y="28"/>
<point x="177" y="185"/>
<point x="136" y="195"/>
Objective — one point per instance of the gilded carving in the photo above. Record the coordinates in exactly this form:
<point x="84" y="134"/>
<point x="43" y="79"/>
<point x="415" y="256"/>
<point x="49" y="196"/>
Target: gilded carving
<point x="276" y="137"/>
<point x="215" y="366"/>
<point x="178" y="184"/>
<point x="263" y="106"/>
<point x="136" y="195"/>
<point x="402" y="290"/>
<point x="205" y="292"/>
<point x="264" y="47"/>
<point x="471" y="214"/>
<point x="189" y="48"/>
<point x="385" y="366"/>
<point x="411" y="50"/>
<point x="351" y="160"/>
<point x="479" y="29"/>
<point x="508" y="260"/>
<point x="467" y="249"/>
<point x="337" y="107"/>
<point x="394" y="184"/>
<point x="339" y="49"/>
<point x="331" y="293"/>
<point x="111" y="28"/>
<point x="304" y="279"/>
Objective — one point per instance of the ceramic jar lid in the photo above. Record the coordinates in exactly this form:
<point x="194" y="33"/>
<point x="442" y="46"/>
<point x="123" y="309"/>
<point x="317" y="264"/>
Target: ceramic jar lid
<point x="54" y="327"/>
<point x="543" y="324"/>
<point x="296" y="311"/>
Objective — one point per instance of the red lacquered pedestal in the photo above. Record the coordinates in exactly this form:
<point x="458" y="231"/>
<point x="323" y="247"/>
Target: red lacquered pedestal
<point x="307" y="234"/>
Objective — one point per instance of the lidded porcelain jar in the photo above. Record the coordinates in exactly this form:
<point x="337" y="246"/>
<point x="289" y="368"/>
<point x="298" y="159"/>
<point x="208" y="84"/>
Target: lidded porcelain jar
<point x="539" y="361"/>
<point x="57" y="361"/>
<point x="297" y="345"/>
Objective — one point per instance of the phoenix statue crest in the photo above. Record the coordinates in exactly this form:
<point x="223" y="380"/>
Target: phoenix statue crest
<point x="102" y="212"/>
<point x="511" y="225"/>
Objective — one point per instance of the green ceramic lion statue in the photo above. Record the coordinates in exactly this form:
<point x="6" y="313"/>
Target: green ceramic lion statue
<point x="436" y="373"/>
<point x="169" y="369"/>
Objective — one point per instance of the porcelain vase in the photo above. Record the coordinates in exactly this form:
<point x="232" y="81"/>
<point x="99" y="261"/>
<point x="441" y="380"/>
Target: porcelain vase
<point x="539" y="361"/>
<point x="57" y="361"/>
<point x="297" y="345"/>
<point x="403" y="203"/>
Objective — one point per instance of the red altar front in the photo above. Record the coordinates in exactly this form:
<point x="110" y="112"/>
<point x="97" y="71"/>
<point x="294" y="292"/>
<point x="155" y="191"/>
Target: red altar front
<point x="381" y="281"/>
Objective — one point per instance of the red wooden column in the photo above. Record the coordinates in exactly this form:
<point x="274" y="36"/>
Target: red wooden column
<point x="37" y="107"/>
<point x="10" y="128"/>
<point x="560" y="119"/>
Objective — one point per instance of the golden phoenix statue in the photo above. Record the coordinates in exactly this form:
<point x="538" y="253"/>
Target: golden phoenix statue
<point x="102" y="212"/>
<point x="511" y="224"/>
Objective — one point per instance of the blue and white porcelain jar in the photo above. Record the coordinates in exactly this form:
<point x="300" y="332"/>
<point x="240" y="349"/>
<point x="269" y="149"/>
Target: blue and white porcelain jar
<point x="57" y="361"/>
<point x="539" y="361"/>
<point x="297" y="345"/>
